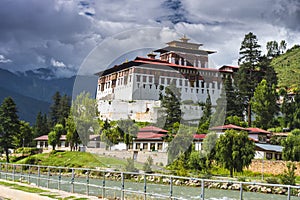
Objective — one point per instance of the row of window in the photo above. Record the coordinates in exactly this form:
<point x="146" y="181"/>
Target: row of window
<point x="144" y="146"/>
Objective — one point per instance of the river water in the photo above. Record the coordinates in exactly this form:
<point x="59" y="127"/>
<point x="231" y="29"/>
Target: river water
<point x="180" y="192"/>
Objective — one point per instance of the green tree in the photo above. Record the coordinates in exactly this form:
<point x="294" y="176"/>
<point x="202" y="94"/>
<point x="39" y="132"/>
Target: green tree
<point x="272" y="49"/>
<point x="289" y="175"/>
<point x="72" y="134"/>
<point x="171" y="102"/>
<point x="55" y="109"/>
<point x="147" y="165"/>
<point x="234" y="150"/>
<point x="85" y="113"/>
<point x="25" y="136"/>
<point x="9" y="125"/>
<point x="129" y="166"/>
<point x="233" y="98"/>
<point x="206" y="116"/>
<point x="291" y="146"/>
<point x="128" y="130"/>
<point x="287" y="109"/>
<point x="55" y="134"/>
<point x="209" y="150"/>
<point x="264" y="105"/>
<point x="41" y="126"/>
<point x="248" y="77"/>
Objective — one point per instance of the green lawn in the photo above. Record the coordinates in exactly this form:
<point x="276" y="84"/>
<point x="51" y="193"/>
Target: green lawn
<point x="76" y="159"/>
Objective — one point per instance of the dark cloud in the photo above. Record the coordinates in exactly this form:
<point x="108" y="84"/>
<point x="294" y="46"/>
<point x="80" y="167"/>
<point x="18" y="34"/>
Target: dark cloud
<point x="36" y="33"/>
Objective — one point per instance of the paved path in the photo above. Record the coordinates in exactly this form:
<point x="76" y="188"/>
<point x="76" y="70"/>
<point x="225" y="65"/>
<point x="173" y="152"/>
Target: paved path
<point x="13" y="194"/>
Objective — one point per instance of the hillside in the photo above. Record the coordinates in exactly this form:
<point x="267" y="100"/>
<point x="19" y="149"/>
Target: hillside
<point x="28" y="107"/>
<point x="287" y="67"/>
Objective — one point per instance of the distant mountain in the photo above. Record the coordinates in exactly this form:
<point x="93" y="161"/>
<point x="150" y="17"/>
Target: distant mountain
<point x="27" y="107"/>
<point x="287" y="67"/>
<point x="33" y="90"/>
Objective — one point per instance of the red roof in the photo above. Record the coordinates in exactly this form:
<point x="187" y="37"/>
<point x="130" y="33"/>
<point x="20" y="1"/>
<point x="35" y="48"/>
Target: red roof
<point x="45" y="138"/>
<point x="152" y="129"/>
<point x="199" y="136"/>
<point x="228" y="126"/>
<point x="150" y="135"/>
<point x="257" y="130"/>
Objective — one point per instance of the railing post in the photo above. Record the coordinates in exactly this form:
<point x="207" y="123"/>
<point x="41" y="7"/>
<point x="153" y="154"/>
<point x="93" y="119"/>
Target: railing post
<point x="241" y="191"/>
<point x="289" y="193"/>
<point x="59" y="179"/>
<point x="0" y="170"/>
<point x="72" y="181"/>
<point x="28" y="175"/>
<point x="14" y="168"/>
<point x="145" y="187"/>
<point x="6" y="171"/>
<point x="171" y="187"/>
<point x="103" y="186"/>
<point x="48" y="178"/>
<point x="202" y="189"/>
<point x="122" y="186"/>
<point x="87" y="182"/>
<point x="39" y="175"/>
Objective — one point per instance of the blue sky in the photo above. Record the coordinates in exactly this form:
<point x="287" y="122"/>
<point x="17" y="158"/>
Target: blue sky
<point x="62" y="33"/>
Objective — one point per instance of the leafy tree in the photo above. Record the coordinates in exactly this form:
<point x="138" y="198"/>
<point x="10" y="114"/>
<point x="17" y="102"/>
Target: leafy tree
<point x="72" y="134"/>
<point x="171" y="102"/>
<point x="236" y="120"/>
<point x="282" y="46"/>
<point x="234" y="150"/>
<point x="289" y="175"/>
<point x="64" y="109"/>
<point x="147" y="165"/>
<point x="129" y="166"/>
<point x="25" y="136"/>
<point x="247" y="76"/>
<point x="85" y="113"/>
<point x="209" y="150"/>
<point x="272" y="49"/>
<point x="287" y="109"/>
<point x="128" y="130"/>
<point x="110" y="136"/>
<point x="181" y="143"/>
<point x="9" y="124"/>
<point x="264" y="104"/>
<point x="55" y="134"/>
<point x="291" y="147"/>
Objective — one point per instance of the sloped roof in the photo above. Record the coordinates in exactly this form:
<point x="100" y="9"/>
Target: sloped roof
<point x="228" y="126"/>
<point x="150" y="135"/>
<point x="199" y="136"/>
<point x="257" y="130"/>
<point x="152" y="129"/>
<point x="45" y="138"/>
<point x="269" y="147"/>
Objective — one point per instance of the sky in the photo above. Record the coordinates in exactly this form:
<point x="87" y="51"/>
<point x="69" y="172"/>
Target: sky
<point x="85" y="36"/>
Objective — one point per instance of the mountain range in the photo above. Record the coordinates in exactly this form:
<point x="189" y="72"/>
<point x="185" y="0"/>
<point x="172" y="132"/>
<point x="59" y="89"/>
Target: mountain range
<point x="32" y="90"/>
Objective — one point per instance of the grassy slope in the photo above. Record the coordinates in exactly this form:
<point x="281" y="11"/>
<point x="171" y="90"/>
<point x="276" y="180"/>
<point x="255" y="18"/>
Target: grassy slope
<point x="287" y="67"/>
<point x="75" y="159"/>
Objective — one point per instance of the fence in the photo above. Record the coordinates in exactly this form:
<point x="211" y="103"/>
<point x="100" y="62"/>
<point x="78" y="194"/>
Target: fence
<point x="107" y="183"/>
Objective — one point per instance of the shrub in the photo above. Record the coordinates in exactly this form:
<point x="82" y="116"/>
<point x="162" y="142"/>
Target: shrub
<point x="289" y="176"/>
<point x="272" y="180"/>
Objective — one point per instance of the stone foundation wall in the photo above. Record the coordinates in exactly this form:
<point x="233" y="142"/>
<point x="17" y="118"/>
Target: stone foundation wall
<point x="271" y="166"/>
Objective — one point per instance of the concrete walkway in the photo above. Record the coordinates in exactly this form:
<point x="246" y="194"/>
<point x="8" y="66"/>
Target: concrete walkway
<point x="13" y="194"/>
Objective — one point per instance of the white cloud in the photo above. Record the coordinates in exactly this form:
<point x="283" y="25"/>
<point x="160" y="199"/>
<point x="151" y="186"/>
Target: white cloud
<point x="56" y="63"/>
<point x="4" y="60"/>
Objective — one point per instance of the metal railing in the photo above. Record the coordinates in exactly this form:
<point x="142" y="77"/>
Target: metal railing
<point x="81" y="180"/>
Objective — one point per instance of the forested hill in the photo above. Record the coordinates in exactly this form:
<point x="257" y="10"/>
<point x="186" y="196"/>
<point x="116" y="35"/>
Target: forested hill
<point x="287" y="67"/>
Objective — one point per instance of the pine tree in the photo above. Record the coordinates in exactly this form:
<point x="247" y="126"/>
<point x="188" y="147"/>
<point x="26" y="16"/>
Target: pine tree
<point x="171" y="102"/>
<point x="41" y="125"/>
<point x="9" y="125"/>
<point x="264" y="104"/>
<point x="55" y="109"/>
<point x="247" y="77"/>
<point x="206" y="116"/>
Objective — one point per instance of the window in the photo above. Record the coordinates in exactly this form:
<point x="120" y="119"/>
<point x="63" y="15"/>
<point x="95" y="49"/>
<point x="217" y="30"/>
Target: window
<point x="145" y="146"/>
<point x="144" y="79"/>
<point x="159" y="146"/>
<point x="162" y="81"/>
<point x="138" y="78"/>
<point x="150" y="79"/>
<point x="137" y="145"/>
<point x="202" y="84"/>
<point x="180" y="82"/>
<point x="269" y="156"/>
